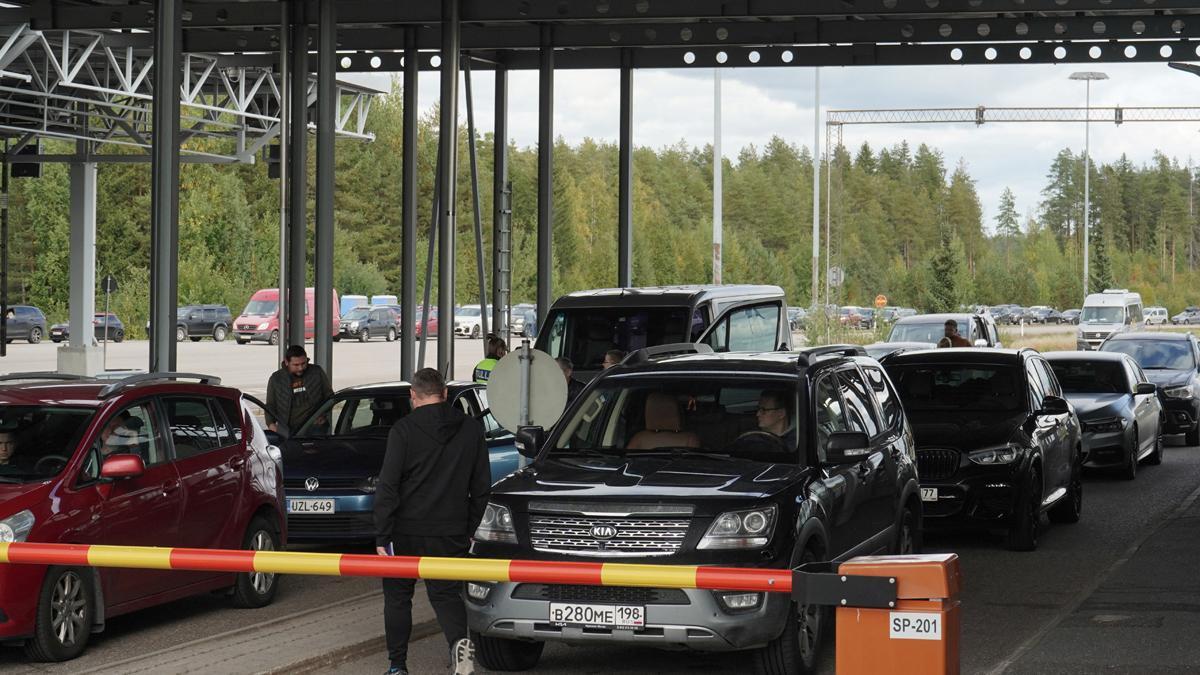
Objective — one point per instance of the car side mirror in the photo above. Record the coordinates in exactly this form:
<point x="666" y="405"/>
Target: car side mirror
<point x="122" y="466"/>
<point x="1055" y="405"/>
<point x="1145" y="388"/>
<point x="530" y="440"/>
<point x="846" y="447"/>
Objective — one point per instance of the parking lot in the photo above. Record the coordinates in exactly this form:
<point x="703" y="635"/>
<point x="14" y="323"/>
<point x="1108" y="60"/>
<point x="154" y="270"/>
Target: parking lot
<point x="1044" y="611"/>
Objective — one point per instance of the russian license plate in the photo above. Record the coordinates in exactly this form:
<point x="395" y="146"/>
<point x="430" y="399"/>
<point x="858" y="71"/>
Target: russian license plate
<point x="608" y="616"/>
<point x="929" y="494"/>
<point x="310" y="506"/>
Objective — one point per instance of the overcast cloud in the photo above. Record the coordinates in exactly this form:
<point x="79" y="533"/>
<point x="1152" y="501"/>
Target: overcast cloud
<point x="675" y="105"/>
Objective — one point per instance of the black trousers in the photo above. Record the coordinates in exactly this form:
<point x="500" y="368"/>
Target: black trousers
<point x="445" y="596"/>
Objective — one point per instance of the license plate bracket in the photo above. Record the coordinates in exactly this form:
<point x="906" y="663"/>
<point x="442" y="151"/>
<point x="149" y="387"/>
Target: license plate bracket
<point x="311" y="506"/>
<point x="596" y="616"/>
<point x="929" y="494"/>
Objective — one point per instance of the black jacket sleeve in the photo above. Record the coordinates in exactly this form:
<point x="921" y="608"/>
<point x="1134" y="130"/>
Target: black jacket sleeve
<point x="481" y="483"/>
<point x="272" y="406"/>
<point x="387" y="490"/>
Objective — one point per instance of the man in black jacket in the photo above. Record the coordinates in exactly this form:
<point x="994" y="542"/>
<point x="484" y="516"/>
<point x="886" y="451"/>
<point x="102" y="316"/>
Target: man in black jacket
<point x="431" y="494"/>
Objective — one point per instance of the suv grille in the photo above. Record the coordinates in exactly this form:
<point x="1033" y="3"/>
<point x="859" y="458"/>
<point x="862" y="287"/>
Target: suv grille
<point x="601" y="594"/>
<point x="632" y="534"/>
<point x="936" y="464"/>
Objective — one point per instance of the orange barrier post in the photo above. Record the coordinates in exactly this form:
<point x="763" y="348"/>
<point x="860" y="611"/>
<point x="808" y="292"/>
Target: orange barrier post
<point x="920" y="635"/>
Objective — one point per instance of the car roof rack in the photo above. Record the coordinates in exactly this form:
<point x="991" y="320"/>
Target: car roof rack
<point x="659" y="351"/>
<point x="125" y="383"/>
<point x="806" y="357"/>
<point x="41" y="375"/>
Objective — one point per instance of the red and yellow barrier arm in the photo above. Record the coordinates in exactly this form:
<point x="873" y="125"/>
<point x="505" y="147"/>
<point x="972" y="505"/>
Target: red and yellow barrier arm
<point x="404" y="567"/>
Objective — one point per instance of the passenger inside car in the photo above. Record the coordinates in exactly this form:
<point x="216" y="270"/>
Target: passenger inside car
<point x="663" y="426"/>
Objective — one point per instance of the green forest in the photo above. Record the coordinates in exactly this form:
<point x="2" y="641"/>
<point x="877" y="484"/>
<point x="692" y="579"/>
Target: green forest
<point x="903" y="224"/>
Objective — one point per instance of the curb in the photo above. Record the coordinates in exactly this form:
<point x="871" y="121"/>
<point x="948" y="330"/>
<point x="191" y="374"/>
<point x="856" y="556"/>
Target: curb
<point x="353" y="652"/>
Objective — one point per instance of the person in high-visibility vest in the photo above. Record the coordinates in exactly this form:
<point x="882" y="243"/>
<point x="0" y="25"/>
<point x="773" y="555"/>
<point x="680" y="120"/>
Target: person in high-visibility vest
<point x="496" y="349"/>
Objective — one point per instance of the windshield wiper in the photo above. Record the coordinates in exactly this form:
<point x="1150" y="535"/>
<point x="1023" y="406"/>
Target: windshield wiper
<point x="677" y="453"/>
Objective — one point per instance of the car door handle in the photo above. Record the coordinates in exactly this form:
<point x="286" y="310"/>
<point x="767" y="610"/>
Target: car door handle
<point x="170" y="486"/>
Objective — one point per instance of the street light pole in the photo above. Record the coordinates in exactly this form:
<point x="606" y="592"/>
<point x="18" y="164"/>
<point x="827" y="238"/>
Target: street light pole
<point x="1087" y="77"/>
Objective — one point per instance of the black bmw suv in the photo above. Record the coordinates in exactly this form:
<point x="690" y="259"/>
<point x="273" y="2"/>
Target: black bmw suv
<point x="732" y="459"/>
<point x="997" y="444"/>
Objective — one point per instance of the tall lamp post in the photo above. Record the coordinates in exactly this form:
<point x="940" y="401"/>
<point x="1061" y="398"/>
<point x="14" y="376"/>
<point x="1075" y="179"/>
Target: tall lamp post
<point x="1087" y="77"/>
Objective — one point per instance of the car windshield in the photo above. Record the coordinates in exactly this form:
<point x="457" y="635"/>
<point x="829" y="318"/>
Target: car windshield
<point x="1155" y="354"/>
<point x="36" y="442"/>
<point x="356" y="314"/>
<point x="744" y="418"/>
<point x="261" y="308"/>
<point x="468" y="311"/>
<point x="1102" y="315"/>
<point x="363" y="416"/>
<point x="1091" y="377"/>
<point x="923" y="331"/>
<point x="584" y="335"/>
<point x="958" y="386"/>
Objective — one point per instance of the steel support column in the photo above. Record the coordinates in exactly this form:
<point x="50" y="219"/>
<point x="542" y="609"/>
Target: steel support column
<point x="501" y="310"/>
<point x="297" y="177"/>
<point x="625" y="176"/>
<point x="78" y="356"/>
<point x="285" y="87"/>
<point x="448" y="139"/>
<point x="484" y="319"/>
<point x="326" y="124"/>
<point x="408" y="210"/>
<point x="164" y="191"/>
<point x="545" y="202"/>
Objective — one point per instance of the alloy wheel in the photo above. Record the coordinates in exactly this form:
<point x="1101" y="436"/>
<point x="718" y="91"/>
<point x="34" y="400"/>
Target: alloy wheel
<point x="262" y="581"/>
<point x="68" y="607"/>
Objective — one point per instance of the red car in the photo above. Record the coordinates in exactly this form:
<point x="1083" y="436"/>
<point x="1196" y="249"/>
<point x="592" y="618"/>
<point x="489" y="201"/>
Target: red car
<point x="150" y="460"/>
<point x="433" y="323"/>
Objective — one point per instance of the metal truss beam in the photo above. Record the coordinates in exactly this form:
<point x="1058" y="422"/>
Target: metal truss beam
<point x="983" y="115"/>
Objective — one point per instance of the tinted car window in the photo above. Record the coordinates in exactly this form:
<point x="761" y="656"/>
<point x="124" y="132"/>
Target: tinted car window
<point x="889" y="404"/>
<point x="830" y="414"/>
<point x="193" y="428"/>
<point x="1155" y="354"/>
<point x="1037" y="392"/>
<point x="584" y="335"/>
<point x="356" y="416"/>
<point x="1091" y="377"/>
<point x="924" y="331"/>
<point x="957" y="386"/>
<point x="860" y="413"/>
<point x="1046" y="376"/>
<point x="39" y="440"/>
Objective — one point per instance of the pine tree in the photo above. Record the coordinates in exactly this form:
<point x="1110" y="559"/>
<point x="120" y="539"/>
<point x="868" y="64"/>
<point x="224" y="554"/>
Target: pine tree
<point x="943" y="292"/>
<point x="1008" y="224"/>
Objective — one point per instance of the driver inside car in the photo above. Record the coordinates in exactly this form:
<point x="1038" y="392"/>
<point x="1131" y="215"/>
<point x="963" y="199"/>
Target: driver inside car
<point x="774" y="416"/>
<point x="8" y="447"/>
<point x="120" y="435"/>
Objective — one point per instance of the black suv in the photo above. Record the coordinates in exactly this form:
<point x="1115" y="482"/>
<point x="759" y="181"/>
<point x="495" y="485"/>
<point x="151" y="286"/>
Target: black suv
<point x="997" y="444"/>
<point x="200" y="321"/>
<point x="735" y="459"/>
<point x="1172" y="362"/>
<point x="363" y="322"/>
<point x="25" y="322"/>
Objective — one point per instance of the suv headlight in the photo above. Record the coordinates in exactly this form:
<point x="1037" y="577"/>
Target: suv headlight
<point x="353" y="325"/>
<point x="264" y="325"/>
<point x="1182" y="391"/>
<point x="1104" y="425"/>
<point x="16" y="527"/>
<point x="751" y="528"/>
<point x="1004" y="454"/>
<point x="497" y="525"/>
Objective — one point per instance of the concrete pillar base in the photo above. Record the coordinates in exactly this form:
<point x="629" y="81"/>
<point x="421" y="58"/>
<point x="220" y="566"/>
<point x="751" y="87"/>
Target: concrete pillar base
<point x="86" y="361"/>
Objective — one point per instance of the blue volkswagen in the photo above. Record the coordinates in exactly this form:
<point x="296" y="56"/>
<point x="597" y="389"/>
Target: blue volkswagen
<point x="331" y="465"/>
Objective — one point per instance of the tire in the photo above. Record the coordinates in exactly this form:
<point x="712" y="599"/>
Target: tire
<point x="257" y="589"/>
<point x="475" y="333"/>
<point x="337" y="338"/>
<point x="56" y="341"/>
<point x="1026" y="517"/>
<point x="119" y="336"/>
<point x="67" y="593"/>
<point x="196" y="338"/>
<point x="241" y="341"/>
<point x="1155" y="458"/>
<point x="391" y="335"/>
<point x="1193" y="437"/>
<point x="908" y="538"/>
<point x="365" y="335"/>
<point x="220" y="333"/>
<point x="274" y="339"/>
<point x="180" y="334"/>
<point x="506" y="655"/>
<point x="1070" y="507"/>
<point x="789" y="654"/>
<point x="1129" y="471"/>
<point x="35" y="335"/>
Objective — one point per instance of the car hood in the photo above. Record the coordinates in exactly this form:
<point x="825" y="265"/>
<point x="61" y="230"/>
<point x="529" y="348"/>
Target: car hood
<point x="1098" y="405"/>
<point x="651" y="477"/>
<point x="1168" y="378"/>
<point x="951" y="429"/>
<point x="16" y="497"/>
<point x="324" y="457"/>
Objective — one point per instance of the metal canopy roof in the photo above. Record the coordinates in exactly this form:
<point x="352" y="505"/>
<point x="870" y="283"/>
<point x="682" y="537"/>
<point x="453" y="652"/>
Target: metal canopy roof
<point x="681" y="33"/>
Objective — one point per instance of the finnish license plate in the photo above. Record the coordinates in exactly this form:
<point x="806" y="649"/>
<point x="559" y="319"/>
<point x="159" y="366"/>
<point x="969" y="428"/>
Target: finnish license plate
<point x="929" y="494"/>
<point x="608" y="616"/>
<point x="310" y="506"/>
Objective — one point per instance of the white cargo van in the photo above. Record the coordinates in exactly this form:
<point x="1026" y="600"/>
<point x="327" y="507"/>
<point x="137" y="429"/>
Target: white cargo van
<point x="1116" y="310"/>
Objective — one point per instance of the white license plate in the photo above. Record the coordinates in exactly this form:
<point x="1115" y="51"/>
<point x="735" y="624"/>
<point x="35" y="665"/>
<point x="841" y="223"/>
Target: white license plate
<point x="622" y="616"/>
<point x="310" y="506"/>
<point x="929" y="494"/>
<point x="914" y="626"/>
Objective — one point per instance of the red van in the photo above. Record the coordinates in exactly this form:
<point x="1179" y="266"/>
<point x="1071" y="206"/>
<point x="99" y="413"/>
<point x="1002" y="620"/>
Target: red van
<point x="260" y="319"/>
<point x="149" y="460"/>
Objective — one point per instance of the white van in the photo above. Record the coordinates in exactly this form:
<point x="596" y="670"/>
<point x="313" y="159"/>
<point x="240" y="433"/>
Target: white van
<point x="1116" y="310"/>
<point x="1155" y="316"/>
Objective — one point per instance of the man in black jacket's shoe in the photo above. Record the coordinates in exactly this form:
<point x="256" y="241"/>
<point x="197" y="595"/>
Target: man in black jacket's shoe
<point x="430" y="497"/>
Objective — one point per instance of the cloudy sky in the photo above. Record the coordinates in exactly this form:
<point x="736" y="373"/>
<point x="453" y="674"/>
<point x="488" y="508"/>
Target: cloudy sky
<point x="674" y="105"/>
